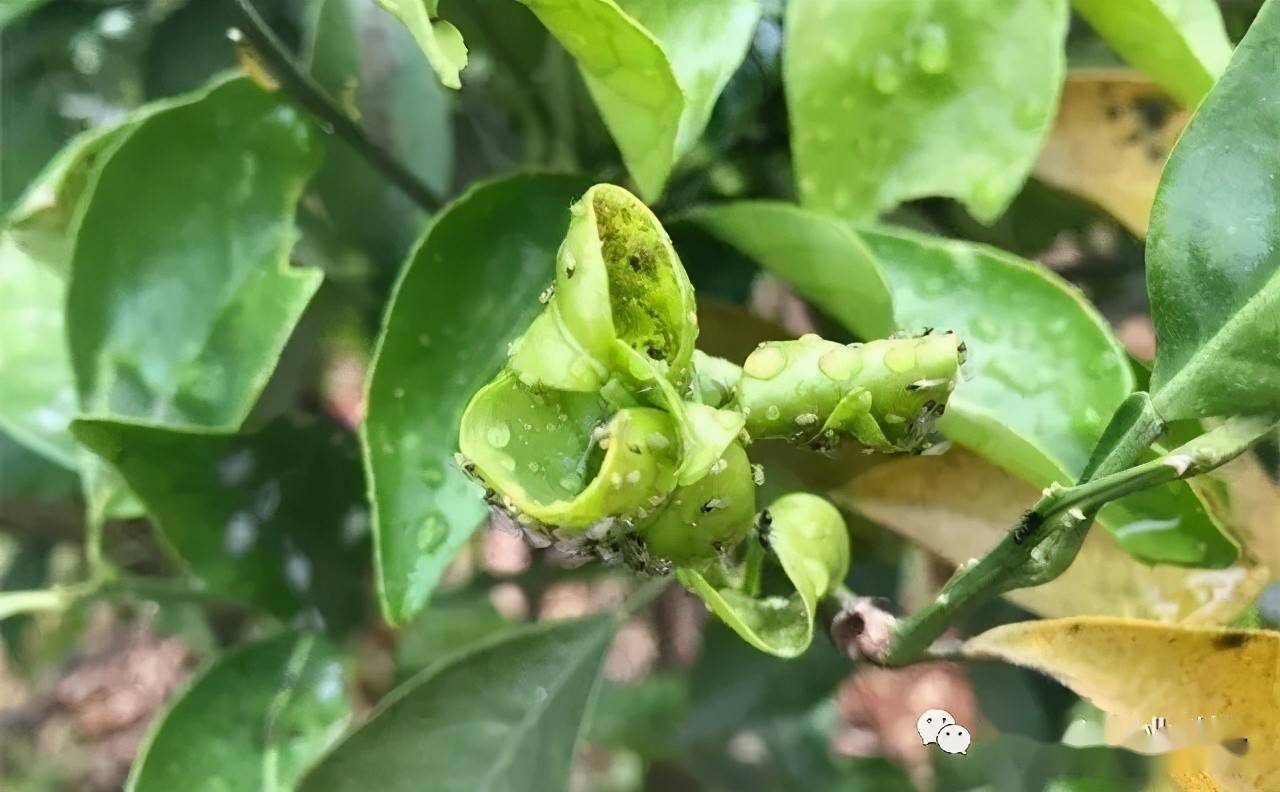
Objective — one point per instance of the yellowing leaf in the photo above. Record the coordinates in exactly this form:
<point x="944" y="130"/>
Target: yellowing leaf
<point x="959" y="506"/>
<point x="1138" y="670"/>
<point x="1114" y="131"/>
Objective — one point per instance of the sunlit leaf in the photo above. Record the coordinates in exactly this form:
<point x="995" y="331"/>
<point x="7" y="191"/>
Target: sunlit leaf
<point x="438" y="346"/>
<point x="1213" y="275"/>
<point x="891" y="101"/>
<point x="1180" y="44"/>
<point x="1137" y="670"/>
<point x="1109" y="144"/>
<point x="958" y="506"/>
<point x="654" y="69"/>
<point x="276" y="518"/>
<point x="505" y="715"/>
<point x="254" y="719"/>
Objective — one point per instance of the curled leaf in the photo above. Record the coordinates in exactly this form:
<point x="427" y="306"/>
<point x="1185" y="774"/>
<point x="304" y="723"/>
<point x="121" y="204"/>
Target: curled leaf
<point x="885" y="393"/>
<point x="808" y="536"/>
<point x="440" y="41"/>
<point x="620" y="288"/>
<point x="558" y="459"/>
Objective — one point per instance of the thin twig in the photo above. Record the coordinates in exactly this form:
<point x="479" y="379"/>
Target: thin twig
<point x="298" y="84"/>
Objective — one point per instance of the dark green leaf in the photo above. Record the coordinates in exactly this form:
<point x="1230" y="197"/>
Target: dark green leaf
<point x="181" y="293"/>
<point x="445" y="335"/>
<point x="821" y="257"/>
<point x="639" y="716"/>
<point x="1044" y="376"/>
<point x="1213" y="270"/>
<point x="891" y="101"/>
<point x="255" y="719"/>
<point x="275" y="519"/>
<point x="504" y="716"/>
<point x="654" y="68"/>
<point x="452" y="624"/>
<point x="1180" y="44"/>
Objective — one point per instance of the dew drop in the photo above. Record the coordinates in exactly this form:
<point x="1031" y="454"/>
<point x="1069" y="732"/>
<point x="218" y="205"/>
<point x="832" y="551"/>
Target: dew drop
<point x="900" y="357"/>
<point x="569" y="483"/>
<point x="765" y="363"/>
<point x="432" y="533"/>
<point x="886" y="76"/>
<point x="934" y="54"/>
<point x="498" y="435"/>
<point x="773" y="412"/>
<point x="840" y="364"/>
<point x="507" y="462"/>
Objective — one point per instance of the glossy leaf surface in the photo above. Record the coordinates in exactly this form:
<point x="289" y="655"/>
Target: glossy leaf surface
<point x="275" y="518"/>
<point x="1213" y="272"/>
<point x="444" y="336"/>
<point x="177" y="311"/>
<point x="254" y="719"/>
<point x="654" y="68"/>
<point x="516" y="704"/>
<point x="891" y="101"/>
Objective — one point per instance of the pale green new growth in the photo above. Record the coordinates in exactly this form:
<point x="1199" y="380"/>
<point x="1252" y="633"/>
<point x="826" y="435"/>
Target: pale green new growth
<point x="608" y="435"/>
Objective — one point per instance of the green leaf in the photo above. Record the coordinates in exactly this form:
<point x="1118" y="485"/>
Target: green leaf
<point x="35" y="259"/>
<point x="471" y="723"/>
<point x="275" y="519"/>
<point x="453" y="623"/>
<point x="1213" y="274"/>
<point x="1181" y="44"/>
<point x="254" y="719"/>
<point x="654" y="69"/>
<point x="1044" y="375"/>
<point x="438" y="346"/>
<point x="181" y="294"/>
<point x="820" y="256"/>
<point x="809" y="538"/>
<point x="891" y="101"/>
<point x="440" y="40"/>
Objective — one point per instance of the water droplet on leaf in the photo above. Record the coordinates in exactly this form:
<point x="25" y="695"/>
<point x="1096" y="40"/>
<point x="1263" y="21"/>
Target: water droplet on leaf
<point x="765" y="363"/>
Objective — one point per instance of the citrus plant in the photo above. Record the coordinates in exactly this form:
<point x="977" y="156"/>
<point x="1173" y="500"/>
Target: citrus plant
<point x="787" y="342"/>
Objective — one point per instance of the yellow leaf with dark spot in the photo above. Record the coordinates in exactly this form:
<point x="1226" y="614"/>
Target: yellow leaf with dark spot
<point x="1114" y="131"/>
<point x="1137" y="670"/>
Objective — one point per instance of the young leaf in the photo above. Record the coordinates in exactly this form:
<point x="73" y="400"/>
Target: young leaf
<point x="440" y="40"/>
<point x="1180" y="44"/>
<point x="891" y="101"/>
<point x="275" y="518"/>
<point x="818" y="255"/>
<point x="654" y="69"/>
<point x="470" y="723"/>
<point x="959" y="506"/>
<point x="1212" y="272"/>
<point x="438" y="346"/>
<point x="1043" y="376"/>
<point x="178" y="309"/>
<point x="254" y="719"/>
<point x="810" y="540"/>
<point x="1136" y="670"/>
<point x="1113" y="133"/>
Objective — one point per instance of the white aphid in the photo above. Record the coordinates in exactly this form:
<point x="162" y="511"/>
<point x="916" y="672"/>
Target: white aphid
<point x="931" y="722"/>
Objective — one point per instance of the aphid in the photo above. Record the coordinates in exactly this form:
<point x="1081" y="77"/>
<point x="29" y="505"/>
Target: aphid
<point x="764" y="529"/>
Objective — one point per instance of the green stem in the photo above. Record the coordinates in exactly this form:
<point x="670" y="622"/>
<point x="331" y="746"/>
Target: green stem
<point x="315" y="100"/>
<point x="1014" y="562"/>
